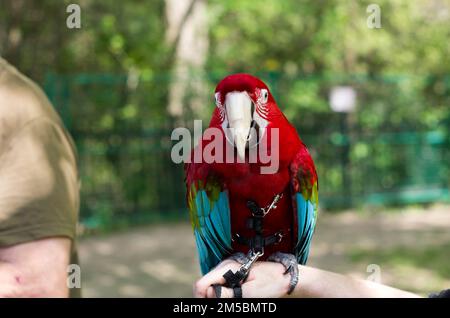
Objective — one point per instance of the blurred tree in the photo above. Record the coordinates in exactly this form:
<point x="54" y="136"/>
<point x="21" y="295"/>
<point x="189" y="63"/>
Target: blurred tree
<point x="112" y="81"/>
<point x="187" y="36"/>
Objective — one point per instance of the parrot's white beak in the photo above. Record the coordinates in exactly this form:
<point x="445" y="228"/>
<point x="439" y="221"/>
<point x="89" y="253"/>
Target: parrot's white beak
<point x="239" y="113"/>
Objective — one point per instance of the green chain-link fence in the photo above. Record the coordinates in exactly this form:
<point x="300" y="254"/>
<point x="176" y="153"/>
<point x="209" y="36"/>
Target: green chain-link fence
<point x="123" y="140"/>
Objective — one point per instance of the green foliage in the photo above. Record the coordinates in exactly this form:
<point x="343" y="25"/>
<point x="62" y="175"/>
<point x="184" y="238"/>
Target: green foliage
<point x="110" y="81"/>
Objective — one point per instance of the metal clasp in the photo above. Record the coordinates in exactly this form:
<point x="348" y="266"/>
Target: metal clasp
<point x="273" y="204"/>
<point x="253" y="257"/>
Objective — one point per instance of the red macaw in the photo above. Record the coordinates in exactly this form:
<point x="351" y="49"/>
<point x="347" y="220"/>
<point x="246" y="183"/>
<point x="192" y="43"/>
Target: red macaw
<point x="224" y="198"/>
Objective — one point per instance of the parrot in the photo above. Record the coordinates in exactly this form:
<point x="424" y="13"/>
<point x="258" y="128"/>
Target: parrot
<point x="233" y="206"/>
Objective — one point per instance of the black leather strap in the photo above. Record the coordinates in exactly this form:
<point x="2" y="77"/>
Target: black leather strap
<point x="233" y="279"/>
<point x="254" y="208"/>
<point x="255" y="223"/>
<point x="217" y="290"/>
<point x="237" y="292"/>
<point x="257" y="241"/>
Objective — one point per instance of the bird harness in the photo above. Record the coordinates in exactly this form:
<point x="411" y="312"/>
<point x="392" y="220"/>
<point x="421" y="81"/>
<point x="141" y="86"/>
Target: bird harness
<point x="256" y="245"/>
<point x="257" y="242"/>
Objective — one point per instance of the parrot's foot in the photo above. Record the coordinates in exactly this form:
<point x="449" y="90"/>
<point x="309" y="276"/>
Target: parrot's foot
<point x="289" y="261"/>
<point x="239" y="257"/>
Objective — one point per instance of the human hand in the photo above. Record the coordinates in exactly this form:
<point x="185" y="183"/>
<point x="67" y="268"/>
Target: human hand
<point x="265" y="280"/>
<point x="203" y="287"/>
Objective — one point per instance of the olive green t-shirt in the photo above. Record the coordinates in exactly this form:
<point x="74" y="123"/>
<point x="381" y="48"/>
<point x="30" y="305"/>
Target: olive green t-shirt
<point x="39" y="185"/>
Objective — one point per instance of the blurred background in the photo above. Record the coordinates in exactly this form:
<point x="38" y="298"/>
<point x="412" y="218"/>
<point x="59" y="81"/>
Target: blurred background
<point x="371" y="101"/>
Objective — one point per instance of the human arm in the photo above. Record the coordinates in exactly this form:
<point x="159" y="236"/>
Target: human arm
<point x="35" y="269"/>
<point x="38" y="213"/>
<point x="267" y="279"/>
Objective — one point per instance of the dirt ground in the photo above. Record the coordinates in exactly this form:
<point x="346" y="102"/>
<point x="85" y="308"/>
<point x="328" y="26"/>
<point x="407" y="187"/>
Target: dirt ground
<point x="410" y="246"/>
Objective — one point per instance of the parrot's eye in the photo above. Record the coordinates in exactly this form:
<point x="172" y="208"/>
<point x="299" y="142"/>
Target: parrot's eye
<point x="217" y="99"/>
<point x="264" y="95"/>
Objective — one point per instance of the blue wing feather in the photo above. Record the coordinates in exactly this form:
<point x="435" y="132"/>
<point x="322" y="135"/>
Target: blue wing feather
<point x="305" y="200"/>
<point x="213" y="229"/>
<point x="306" y="224"/>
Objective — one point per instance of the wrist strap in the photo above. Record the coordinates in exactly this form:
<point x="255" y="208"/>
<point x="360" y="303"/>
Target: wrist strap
<point x="237" y="292"/>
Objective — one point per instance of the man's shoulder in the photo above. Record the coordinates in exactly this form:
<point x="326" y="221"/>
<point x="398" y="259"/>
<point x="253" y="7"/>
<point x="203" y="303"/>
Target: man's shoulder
<point x="21" y="102"/>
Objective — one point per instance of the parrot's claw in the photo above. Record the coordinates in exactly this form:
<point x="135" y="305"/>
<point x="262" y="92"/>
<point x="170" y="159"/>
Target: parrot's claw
<point x="289" y="261"/>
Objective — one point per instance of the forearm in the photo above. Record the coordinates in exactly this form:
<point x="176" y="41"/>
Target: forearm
<point x="314" y="282"/>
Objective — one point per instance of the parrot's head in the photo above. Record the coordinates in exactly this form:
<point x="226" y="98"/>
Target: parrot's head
<point x="245" y="102"/>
